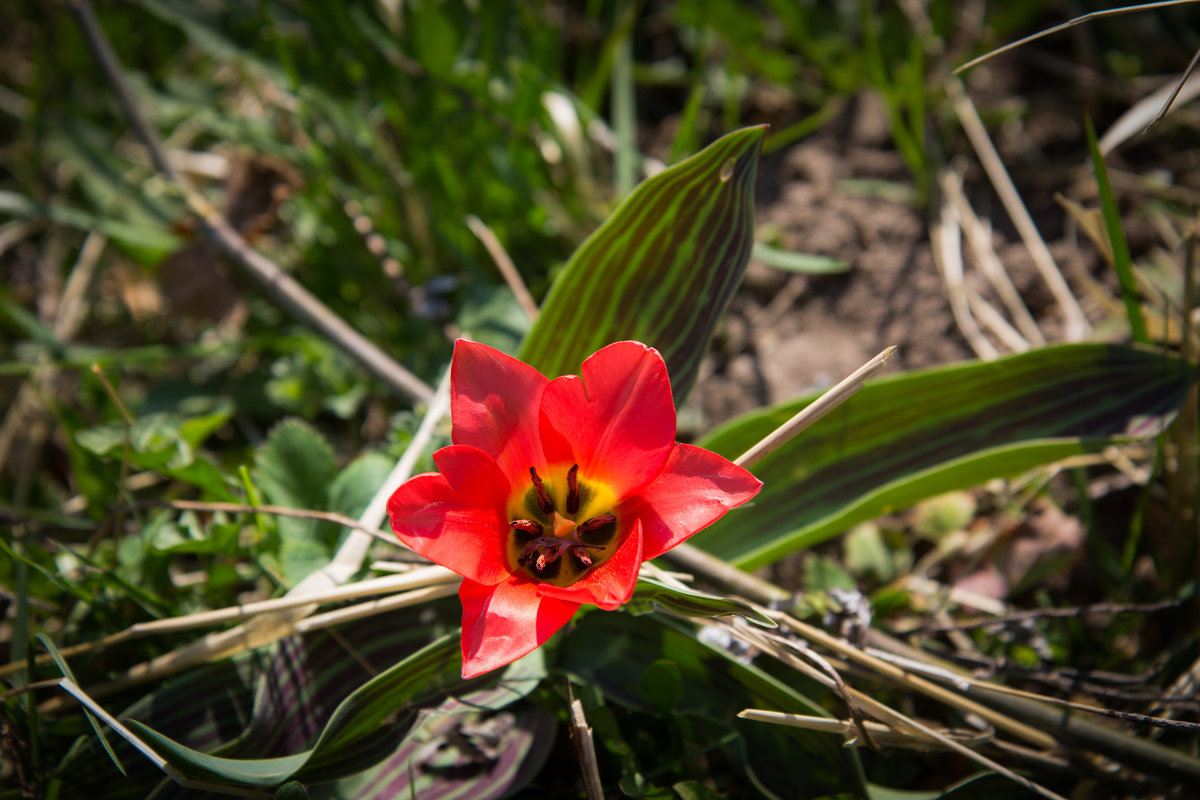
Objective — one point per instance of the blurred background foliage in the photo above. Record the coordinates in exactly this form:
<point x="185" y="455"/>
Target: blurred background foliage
<point x="350" y="142"/>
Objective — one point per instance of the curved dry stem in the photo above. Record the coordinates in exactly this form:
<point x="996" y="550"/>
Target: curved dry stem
<point x="278" y="284"/>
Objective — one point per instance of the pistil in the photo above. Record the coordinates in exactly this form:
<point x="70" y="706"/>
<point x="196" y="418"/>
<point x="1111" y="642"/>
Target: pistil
<point x="541" y="542"/>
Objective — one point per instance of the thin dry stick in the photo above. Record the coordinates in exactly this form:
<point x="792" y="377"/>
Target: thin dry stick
<point x="412" y="580"/>
<point x="979" y="239"/>
<point x="700" y="562"/>
<point x="884" y="712"/>
<point x="1111" y="12"/>
<point x="883" y="735"/>
<point x="279" y="511"/>
<point x="946" y="237"/>
<point x="899" y="676"/>
<point x="70" y="315"/>
<point x="814" y="411"/>
<point x="280" y="286"/>
<point x="1112" y="742"/>
<point x="383" y="605"/>
<point x="963" y="683"/>
<point x="1072" y="612"/>
<point x="505" y="264"/>
<point x="1183" y="79"/>
<point x="585" y="749"/>
<point x="994" y="321"/>
<point x="1077" y="326"/>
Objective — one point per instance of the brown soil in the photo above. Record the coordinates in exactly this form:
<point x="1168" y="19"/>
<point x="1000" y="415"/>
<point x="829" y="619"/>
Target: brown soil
<point x="788" y="334"/>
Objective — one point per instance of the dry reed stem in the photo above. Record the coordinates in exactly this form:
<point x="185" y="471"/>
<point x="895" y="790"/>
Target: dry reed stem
<point x="880" y="667"/>
<point x="69" y="316"/>
<point x="505" y="264"/>
<point x="585" y="748"/>
<point x="830" y="400"/>
<point x="743" y="583"/>
<point x="882" y="734"/>
<point x="415" y="579"/>
<point x="382" y="605"/>
<point x="271" y="626"/>
<point x="1076" y="324"/>
<point x="1111" y="12"/>
<point x="987" y="261"/>
<point x="945" y="235"/>
<point x="277" y="283"/>
<point x="896" y="719"/>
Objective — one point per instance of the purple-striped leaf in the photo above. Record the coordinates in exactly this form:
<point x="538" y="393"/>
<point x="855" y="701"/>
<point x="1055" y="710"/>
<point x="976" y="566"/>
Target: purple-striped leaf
<point x="905" y="438"/>
<point x="661" y="269"/>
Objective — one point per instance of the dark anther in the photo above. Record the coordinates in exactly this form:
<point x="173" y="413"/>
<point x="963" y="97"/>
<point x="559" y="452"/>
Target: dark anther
<point x="573" y="490"/>
<point x="595" y="523"/>
<point x="548" y="549"/>
<point x="526" y="526"/>
<point x="545" y="502"/>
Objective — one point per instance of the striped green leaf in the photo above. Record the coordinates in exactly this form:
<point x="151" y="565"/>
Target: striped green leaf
<point x="902" y="439"/>
<point x="661" y="269"/>
<point x="253" y="720"/>
<point x="364" y="729"/>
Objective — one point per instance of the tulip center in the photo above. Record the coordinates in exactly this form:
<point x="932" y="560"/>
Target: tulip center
<point x="558" y="537"/>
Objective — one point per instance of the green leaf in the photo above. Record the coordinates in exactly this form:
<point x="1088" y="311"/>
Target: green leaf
<point x="1122" y="261"/>
<point x="661" y="269"/>
<point x="903" y="439"/>
<point x="695" y="790"/>
<point x="804" y="263"/>
<point x="258" y="773"/>
<point x="355" y="486"/>
<point x="295" y="468"/>
<point x="61" y="663"/>
<point x="364" y="727"/>
<point x="662" y="685"/>
<point x="142" y="236"/>
<point x="650" y="593"/>
<point x="292" y="790"/>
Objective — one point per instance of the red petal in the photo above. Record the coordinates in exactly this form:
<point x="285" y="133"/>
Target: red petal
<point x="610" y="584"/>
<point x="617" y="422"/>
<point x="457" y="518"/>
<point x="694" y="490"/>
<point x="501" y="623"/>
<point x="494" y="402"/>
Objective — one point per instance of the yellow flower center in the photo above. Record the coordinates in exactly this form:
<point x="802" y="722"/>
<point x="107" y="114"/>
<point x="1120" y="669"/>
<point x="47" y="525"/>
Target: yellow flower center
<point x="561" y="528"/>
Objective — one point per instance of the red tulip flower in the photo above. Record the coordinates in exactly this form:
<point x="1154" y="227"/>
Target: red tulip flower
<point x="555" y="491"/>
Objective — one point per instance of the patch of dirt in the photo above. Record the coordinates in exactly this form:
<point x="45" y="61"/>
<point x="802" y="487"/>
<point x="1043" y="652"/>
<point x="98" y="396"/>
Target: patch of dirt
<point x="787" y="334"/>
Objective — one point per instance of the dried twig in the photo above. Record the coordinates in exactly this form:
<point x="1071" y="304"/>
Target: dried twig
<point x="945" y="234"/>
<point x="1077" y="325"/>
<point x="505" y="264"/>
<point x="1111" y="12"/>
<point x="695" y="559"/>
<point x="1072" y="612"/>
<point x="585" y="749"/>
<point x="814" y="411"/>
<point x="883" y="735"/>
<point x="277" y="283"/>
